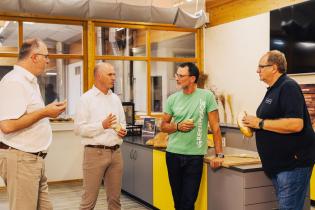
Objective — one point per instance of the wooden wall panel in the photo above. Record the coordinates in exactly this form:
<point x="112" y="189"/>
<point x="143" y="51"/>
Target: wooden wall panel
<point x="229" y="11"/>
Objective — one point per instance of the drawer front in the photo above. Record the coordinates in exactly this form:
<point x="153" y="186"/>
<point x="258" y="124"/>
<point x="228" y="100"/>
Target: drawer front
<point x="263" y="206"/>
<point x="256" y="179"/>
<point x="260" y="195"/>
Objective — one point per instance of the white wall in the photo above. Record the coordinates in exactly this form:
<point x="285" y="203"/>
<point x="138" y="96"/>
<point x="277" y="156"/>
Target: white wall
<point x="65" y="155"/>
<point x="232" y="52"/>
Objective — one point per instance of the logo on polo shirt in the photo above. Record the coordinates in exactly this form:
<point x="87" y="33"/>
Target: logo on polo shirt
<point x="268" y="100"/>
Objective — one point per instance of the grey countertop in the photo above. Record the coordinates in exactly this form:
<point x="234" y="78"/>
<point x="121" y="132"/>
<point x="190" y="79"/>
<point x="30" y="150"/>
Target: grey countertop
<point x="140" y="141"/>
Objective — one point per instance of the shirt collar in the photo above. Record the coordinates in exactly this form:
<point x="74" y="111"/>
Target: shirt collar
<point x="278" y="82"/>
<point x="96" y="91"/>
<point x="28" y="75"/>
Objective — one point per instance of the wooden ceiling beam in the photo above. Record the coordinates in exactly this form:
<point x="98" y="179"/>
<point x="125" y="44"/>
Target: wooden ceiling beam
<point x="232" y="10"/>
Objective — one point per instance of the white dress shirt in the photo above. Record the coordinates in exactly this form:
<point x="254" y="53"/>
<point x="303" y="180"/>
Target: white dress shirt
<point x="93" y="108"/>
<point x="20" y="94"/>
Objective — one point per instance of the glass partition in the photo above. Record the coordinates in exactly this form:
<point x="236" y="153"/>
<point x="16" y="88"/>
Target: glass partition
<point x="163" y="84"/>
<point x="59" y="38"/>
<point x="8" y="36"/>
<point x="120" y="41"/>
<point x="62" y="80"/>
<point x="173" y="44"/>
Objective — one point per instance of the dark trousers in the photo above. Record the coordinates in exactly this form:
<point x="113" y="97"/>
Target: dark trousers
<point x="184" y="174"/>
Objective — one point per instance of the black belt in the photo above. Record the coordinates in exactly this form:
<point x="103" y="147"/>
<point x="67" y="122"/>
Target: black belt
<point x="40" y="154"/>
<point x="115" y="147"/>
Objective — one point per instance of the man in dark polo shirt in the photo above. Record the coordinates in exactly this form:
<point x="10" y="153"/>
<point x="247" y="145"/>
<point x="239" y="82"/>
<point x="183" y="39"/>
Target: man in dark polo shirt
<point x="284" y="133"/>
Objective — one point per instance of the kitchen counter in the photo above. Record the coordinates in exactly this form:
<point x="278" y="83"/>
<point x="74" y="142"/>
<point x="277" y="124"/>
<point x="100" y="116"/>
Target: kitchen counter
<point x="238" y="187"/>
<point x="138" y="140"/>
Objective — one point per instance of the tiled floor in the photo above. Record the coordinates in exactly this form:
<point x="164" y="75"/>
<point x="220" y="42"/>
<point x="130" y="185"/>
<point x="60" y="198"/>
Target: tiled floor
<point x="68" y="196"/>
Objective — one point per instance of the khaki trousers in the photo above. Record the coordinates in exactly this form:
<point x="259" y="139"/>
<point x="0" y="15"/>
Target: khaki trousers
<point x="101" y="164"/>
<point x="24" y="176"/>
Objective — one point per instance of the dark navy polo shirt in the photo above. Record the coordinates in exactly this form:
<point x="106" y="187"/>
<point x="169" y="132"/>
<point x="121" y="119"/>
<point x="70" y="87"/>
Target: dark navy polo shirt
<point x="282" y="152"/>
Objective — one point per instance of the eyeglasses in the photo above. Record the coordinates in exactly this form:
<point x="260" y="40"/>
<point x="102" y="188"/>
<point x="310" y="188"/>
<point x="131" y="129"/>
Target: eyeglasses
<point x="264" y="66"/>
<point x="180" y="76"/>
<point x="45" y="55"/>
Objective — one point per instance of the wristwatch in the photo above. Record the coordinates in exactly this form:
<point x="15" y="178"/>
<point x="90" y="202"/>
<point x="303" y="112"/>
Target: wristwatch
<point x="219" y="155"/>
<point x="261" y="124"/>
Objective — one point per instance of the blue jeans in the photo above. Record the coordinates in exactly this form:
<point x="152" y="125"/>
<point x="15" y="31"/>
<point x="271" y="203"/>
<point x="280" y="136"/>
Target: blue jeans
<point x="291" y="187"/>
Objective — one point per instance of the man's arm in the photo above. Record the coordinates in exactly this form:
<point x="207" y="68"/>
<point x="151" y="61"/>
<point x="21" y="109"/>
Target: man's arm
<point x="213" y="118"/>
<point x="166" y="125"/>
<point x="283" y="125"/>
<point x="26" y="120"/>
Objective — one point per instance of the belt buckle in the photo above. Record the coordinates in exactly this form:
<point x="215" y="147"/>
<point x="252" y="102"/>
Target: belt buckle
<point x="41" y="154"/>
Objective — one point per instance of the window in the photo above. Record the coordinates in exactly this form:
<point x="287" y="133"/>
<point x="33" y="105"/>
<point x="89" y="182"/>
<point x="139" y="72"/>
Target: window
<point x="131" y="83"/>
<point x="120" y="41"/>
<point x="172" y="44"/>
<point x="62" y="80"/>
<point x="8" y="36"/>
<point x="59" y="38"/>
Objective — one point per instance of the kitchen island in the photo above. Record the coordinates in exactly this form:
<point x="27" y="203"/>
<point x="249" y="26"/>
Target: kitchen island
<point x="243" y="187"/>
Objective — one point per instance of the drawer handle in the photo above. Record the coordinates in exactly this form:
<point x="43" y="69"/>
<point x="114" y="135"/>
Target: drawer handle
<point x="130" y="154"/>
<point x="135" y="155"/>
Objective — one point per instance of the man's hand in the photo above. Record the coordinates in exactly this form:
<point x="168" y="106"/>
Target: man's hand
<point x="54" y="109"/>
<point x="122" y="132"/>
<point x="251" y="121"/>
<point x="185" y="126"/>
<point x="109" y="121"/>
<point x="216" y="162"/>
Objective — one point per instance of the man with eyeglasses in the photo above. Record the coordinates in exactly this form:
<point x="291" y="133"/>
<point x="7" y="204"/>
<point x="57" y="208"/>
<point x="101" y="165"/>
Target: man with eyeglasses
<point x="25" y="132"/>
<point x="186" y="118"/>
<point x="284" y="134"/>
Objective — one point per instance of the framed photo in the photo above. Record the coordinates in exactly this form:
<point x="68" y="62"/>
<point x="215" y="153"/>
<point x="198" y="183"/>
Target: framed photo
<point x="129" y="108"/>
<point x="148" y="128"/>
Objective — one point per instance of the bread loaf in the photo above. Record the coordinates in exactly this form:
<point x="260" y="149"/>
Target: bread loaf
<point x="246" y="131"/>
<point x="117" y="127"/>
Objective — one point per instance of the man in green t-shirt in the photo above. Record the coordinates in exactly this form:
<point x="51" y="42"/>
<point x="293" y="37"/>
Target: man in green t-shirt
<point x="185" y="119"/>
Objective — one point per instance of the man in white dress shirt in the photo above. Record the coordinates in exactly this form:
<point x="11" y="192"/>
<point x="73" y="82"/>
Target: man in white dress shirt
<point x="25" y="132"/>
<point x="98" y="113"/>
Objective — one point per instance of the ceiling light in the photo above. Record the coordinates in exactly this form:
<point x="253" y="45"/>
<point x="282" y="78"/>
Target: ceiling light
<point x="51" y="73"/>
<point x="306" y="44"/>
<point x="278" y="42"/>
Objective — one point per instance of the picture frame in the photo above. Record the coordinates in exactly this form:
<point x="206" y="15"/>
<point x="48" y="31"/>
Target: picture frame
<point x="149" y="127"/>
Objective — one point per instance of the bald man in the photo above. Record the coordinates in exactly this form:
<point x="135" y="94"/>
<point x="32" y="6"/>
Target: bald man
<point x="25" y="132"/>
<point x="100" y="120"/>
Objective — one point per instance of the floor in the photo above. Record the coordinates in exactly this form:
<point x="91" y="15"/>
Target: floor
<point x="68" y="196"/>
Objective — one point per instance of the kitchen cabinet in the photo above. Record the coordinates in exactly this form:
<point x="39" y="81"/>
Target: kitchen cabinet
<point x="137" y="175"/>
<point x="312" y="193"/>
<point x="241" y="190"/>
<point x="162" y="194"/>
<point x="231" y="189"/>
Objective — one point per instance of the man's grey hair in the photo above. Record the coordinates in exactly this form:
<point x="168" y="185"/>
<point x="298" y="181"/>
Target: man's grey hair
<point x="278" y="58"/>
<point x="28" y="46"/>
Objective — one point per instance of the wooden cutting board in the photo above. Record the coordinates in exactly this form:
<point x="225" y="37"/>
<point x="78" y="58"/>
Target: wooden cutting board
<point x="236" y="161"/>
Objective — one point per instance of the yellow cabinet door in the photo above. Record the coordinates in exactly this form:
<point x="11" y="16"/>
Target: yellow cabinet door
<point x="162" y="194"/>
<point x="313" y="185"/>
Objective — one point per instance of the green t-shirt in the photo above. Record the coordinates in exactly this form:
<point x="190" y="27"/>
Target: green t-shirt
<point x="194" y="106"/>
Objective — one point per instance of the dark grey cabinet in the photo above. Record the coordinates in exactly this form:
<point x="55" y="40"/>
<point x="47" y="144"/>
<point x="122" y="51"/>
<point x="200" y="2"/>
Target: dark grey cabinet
<point x="138" y="172"/>
<point x="233" y="190"/>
